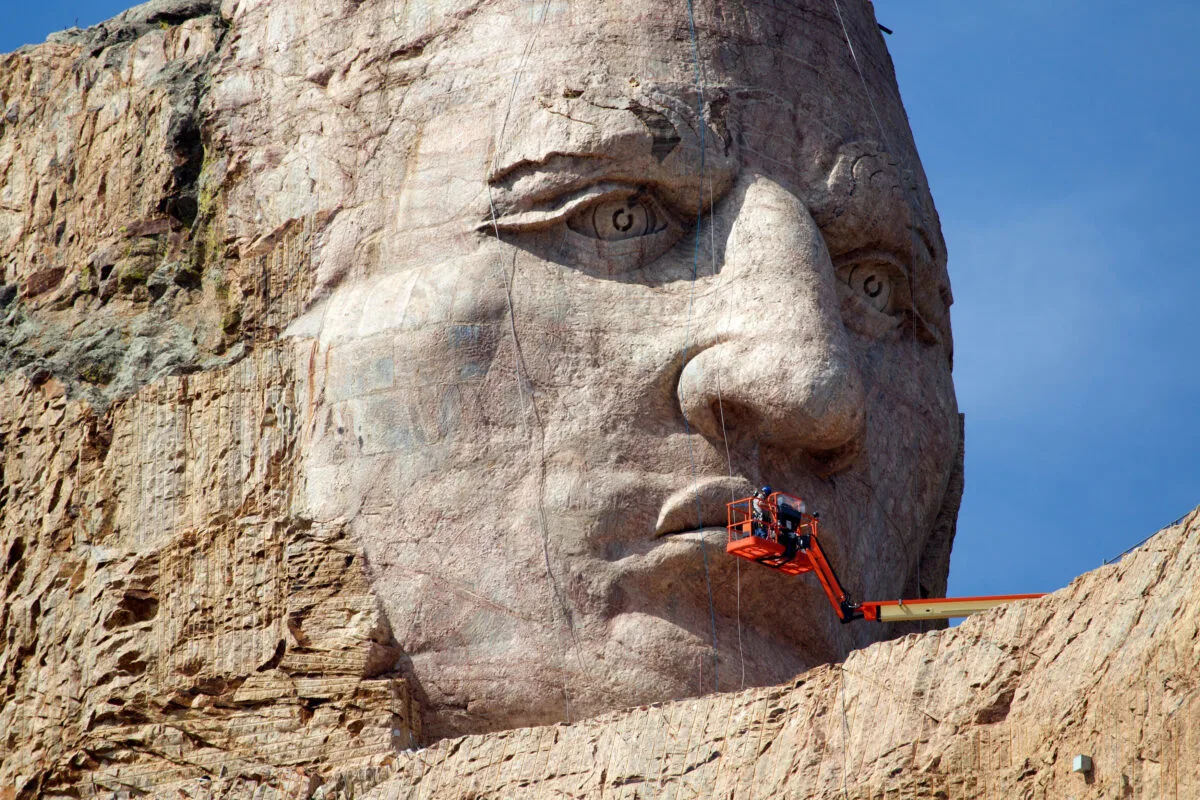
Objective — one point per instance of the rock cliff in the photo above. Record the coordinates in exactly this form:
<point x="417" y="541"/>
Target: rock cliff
<point x="165" y="615"/>
<point x="374" y="373"/>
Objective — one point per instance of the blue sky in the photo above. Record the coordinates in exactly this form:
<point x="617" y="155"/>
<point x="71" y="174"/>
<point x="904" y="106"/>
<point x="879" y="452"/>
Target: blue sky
<point x="30" y="23"/>
<point x="1059" y="141"/>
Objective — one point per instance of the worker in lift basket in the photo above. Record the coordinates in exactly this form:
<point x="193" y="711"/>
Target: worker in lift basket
<point x="758" y="512"/>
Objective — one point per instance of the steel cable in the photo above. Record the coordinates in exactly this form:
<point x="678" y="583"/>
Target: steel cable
<point x="911" y="271"/>
<point x="520" y="369"/>
<point x="701" y="126"/>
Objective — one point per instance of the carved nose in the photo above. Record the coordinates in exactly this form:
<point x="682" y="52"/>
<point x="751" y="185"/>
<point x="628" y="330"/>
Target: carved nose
<point x="780" y="366"/>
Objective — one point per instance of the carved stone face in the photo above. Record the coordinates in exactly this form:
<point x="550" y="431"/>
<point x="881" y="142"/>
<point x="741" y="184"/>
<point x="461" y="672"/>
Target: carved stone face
<point x="592" y="308"/>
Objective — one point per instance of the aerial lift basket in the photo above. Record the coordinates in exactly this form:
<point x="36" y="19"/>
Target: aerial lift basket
<point x="777" y="531"/>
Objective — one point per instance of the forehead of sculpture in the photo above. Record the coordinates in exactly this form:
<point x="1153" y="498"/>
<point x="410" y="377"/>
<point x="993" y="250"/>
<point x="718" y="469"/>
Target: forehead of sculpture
<point x="590" y="78"/>
<point x="542" y="98"/>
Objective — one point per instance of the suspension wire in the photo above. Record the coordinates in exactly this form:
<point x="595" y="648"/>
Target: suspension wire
<point x="712" y="247"/>
<point x="737" y="561"/>
<point x="845" y="734"/>
<point x="1135" y="546"/>
<point x="912" y="276"/>
<point x="701" y="125"/>
<point x="522" y="375"/>
<point x="858" y="68"/>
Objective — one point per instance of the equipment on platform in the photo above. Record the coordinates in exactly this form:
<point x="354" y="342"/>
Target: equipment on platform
<point x="775" y="529"/>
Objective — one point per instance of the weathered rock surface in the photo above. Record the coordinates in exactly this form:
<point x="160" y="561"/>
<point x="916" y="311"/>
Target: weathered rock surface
<point x="100" y="160"/>
<point x="166" y="620"/>
<point x="996" y="708"/>
<point x="377" y="372"/>
<point x="453" y="331"/>
<point x="167" y="616"/>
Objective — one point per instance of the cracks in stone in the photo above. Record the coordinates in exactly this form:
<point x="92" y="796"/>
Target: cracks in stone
<point x="132" y="24"/>
<point x="107" y="355"/>
<point x="185" y="141"/>
<point x="275" y="659"/>
<point x="886" y="690"/>
<point x="550" y="110"/>
<point x="713" y="756"/>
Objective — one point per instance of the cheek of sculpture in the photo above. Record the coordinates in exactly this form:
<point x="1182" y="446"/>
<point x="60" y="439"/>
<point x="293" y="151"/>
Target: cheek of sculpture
<point x="403" y="383"/>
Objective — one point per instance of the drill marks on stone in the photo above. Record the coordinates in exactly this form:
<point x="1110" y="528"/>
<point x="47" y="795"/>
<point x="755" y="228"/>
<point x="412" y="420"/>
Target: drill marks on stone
<point x="751" y="745"/>
<point x="675" y="748"/>
<point x="768" y="724"/>
<point x="648" y="747"/>
<point x="794" y="742"/>
<point x="493" y="772"/>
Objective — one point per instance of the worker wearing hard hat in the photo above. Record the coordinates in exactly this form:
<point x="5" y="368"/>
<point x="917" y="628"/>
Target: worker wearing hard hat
<point x="759" y="512"/>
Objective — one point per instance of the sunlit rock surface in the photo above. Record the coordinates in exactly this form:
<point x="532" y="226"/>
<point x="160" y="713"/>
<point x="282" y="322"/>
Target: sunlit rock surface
<point x="1108" y="667"/>
<point x="374" y="373"/>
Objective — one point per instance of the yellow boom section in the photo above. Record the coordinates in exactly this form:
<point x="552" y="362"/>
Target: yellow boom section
<point x="936" y="608"/>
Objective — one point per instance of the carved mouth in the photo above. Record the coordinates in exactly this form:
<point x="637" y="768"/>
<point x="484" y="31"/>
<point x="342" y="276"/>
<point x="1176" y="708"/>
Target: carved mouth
<point x="700" y="508"/>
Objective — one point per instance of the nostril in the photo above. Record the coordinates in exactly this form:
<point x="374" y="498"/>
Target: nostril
<point x="830" y="462"/>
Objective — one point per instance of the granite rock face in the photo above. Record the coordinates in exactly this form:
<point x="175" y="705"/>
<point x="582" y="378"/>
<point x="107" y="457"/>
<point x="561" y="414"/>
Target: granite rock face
<point x="522" y="405"/>
<point x="500" y="301"/>
<point x="373" y="373"/>
<point x="100" y="158"/>
<point x="376" y="372"/>
<point x="168" y="617"/>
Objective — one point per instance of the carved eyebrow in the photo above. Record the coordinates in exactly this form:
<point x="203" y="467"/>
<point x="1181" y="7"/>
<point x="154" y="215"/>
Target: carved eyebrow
<point x="556" y="161"/>
<point x="529" y="184"/>
<point x="561" y="150"/>
<point x="532" y="218"/>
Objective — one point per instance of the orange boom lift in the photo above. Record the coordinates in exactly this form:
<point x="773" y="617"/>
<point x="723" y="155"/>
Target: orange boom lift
<point x="778" y="532"/>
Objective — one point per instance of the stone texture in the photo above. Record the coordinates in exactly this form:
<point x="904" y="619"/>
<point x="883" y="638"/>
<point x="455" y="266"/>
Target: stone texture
<point x="167" y="622"/>
<point x="100" y="156"/>
<point x="502" y="413"/>
<point x="170" y="618"/>
<point x="376" y="372"/>
<point x="470" y="271"/>
<point x="995" y="708"/>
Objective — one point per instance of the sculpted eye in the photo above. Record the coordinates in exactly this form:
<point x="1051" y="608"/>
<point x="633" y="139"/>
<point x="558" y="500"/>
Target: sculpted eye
<point x="606" y="229"/>
<point x="615" y="220"/>
<point x="873" y="287"/>
<point x="876" y="296"/>
<point x="873" y="283"/>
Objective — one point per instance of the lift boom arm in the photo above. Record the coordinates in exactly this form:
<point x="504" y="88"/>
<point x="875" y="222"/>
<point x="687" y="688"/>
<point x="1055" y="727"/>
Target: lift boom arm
<point x="777" y="532"/>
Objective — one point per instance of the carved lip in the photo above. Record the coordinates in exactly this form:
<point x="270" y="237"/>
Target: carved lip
<point x="682" y="513"/>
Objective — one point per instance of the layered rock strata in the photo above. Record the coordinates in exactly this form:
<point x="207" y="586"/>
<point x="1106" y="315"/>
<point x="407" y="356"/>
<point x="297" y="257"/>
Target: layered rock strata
<point x="167" y="616"/>
<point x="166" y="620"/>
